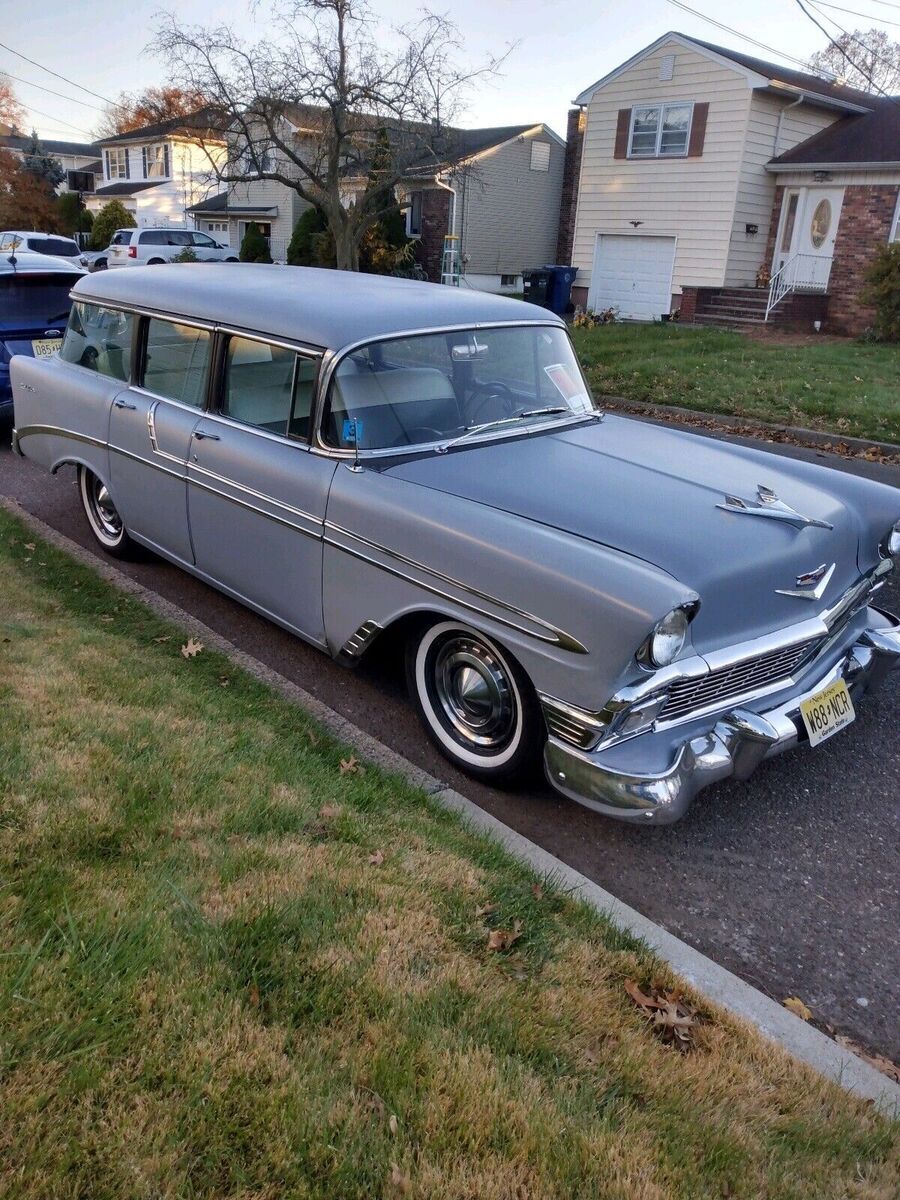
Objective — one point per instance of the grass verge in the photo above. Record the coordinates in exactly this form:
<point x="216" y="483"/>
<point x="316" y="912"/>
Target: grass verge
<point x="841" y="387"/>
<point x="234" y="964"/>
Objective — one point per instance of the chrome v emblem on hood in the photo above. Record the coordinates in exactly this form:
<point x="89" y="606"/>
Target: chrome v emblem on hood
<point x="812" y="584"/>
<point x="767" y="504"/>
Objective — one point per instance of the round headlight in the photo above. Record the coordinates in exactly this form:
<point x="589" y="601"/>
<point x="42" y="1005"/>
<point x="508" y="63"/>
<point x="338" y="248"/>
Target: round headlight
<point x="667" y="639"/>
<point x="893" y="540"/>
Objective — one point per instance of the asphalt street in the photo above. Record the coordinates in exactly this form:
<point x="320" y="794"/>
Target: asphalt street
<point x="790" y="880"/>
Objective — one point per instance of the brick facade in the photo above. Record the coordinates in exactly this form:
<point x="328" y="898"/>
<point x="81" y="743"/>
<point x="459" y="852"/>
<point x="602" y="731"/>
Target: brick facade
<point x="571" y="171"/>
<point x="865" y="226"/>
<point x="435" y="226"/>
<point x="687" y="305"/>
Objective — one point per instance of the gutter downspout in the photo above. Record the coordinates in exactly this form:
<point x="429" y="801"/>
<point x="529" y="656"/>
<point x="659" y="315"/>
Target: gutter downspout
<point x="794" y="104"/>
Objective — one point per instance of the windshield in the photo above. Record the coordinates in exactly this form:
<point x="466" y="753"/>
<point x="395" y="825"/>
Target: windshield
<point x="28" y="300"/>
<point x="436" y="387"/>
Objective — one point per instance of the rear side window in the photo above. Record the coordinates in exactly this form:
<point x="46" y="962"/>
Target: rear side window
<point x="154" y="237"/>
<point x="122" y="237"/>
<point x="268" y="386"/>
<point x="100" y="339"/>
<point x="175" y="361"/>
<point x="29" y="300"/>
<point x="53" y="245"/>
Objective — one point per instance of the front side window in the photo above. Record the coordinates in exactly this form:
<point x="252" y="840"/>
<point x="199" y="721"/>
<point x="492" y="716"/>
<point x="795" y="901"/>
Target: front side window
<point x="660" y="130"/>
<point x="100" y="339"/>
<point x="156" y="161"/>
<point x="117" y="163"/>
<point x="435" y="387"/>
<point x="200" y="239"/>
<point x="175" y="361"/>
<point x="269" y="387"/>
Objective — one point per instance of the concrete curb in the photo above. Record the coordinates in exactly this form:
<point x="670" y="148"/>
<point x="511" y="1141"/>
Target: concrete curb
<point x="746" y="426"/>
<point x="715" y="982"/>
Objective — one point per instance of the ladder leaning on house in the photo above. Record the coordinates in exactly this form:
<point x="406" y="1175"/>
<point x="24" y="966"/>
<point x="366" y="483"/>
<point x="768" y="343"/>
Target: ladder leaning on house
<point x="450" y="267"/>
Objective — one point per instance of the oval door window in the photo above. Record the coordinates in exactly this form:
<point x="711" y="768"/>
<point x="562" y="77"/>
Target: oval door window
<point x="821" y="223"/>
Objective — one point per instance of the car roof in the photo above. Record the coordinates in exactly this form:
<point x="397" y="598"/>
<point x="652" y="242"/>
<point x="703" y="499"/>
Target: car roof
<point x="35" y="233"/>
<point x="327" y="308"/>
<point x="30" y="261"/>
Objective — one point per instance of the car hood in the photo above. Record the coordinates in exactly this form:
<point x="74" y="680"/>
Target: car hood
<point x="655" y="493"/>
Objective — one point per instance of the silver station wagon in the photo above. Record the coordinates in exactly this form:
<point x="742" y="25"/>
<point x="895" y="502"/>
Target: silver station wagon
<point x="645" y="611"/>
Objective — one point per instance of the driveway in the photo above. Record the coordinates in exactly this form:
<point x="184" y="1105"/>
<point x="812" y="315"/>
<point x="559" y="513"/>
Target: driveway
<point x="790" y="880"/>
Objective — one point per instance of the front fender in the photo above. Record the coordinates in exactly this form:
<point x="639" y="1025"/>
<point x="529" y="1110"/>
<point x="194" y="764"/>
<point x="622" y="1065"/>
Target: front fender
<point x="573" y="612"/>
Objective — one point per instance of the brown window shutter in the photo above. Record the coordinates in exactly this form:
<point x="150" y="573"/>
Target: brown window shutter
<point x="622" y="126"/>
<point x="698" y="130"/>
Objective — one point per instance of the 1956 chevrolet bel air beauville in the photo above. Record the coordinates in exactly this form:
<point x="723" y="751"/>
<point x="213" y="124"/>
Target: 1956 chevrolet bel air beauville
<point x="649" y="610"/>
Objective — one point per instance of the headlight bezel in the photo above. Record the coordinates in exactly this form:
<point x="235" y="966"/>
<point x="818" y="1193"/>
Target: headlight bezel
<point x="668" y="637"/>
<point x="890" y="543"/>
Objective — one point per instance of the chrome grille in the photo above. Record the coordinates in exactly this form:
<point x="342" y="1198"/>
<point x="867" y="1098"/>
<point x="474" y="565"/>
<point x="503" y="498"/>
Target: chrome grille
<point x="764" y="671"/>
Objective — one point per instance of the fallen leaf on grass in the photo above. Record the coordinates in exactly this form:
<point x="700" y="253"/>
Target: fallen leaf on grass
<point x="878" y="1061"/>
<point x="537" y="891"/>
<point x="502" y="939"/>
<point x="105" y="618"/>
<point x="224" y="681"/>
<point x="350" y="766"/>
<point x="30" y="546"/>
<point x="485" y="910"/>
<point x="672" y="1019"/>
<point x="254" y="995"/>
<point x="376" y="858"/>
<point x="167" y="638"/>
<point x="400" y="1181"/>
<point x="312" y="737"/>
<point x="798" y="1008"/>
<point x="191" y="649"/>
<point x="392" y="1124"/>
<point x="329" y="811"/>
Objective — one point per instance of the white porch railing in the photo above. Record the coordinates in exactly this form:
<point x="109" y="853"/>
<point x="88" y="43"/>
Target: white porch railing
<point x="801" y="273"/>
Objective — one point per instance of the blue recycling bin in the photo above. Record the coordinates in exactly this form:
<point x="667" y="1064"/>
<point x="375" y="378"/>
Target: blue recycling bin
<point x="559" y="287"/>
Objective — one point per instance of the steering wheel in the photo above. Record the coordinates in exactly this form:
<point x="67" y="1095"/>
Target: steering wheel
<point x="482" y="393"/>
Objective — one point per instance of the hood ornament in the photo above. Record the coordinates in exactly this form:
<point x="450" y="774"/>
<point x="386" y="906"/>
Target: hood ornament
<point x="812" y="584"/>
<point x="767" y="504"/>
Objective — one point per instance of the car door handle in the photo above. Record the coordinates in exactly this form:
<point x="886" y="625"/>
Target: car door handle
<point x="123" y="404"/>
<point x="201" y="436"/>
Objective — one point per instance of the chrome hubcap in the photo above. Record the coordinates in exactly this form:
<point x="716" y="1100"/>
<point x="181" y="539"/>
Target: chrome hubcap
<point x="472" y="693"/>
<point x="104" y="509"/>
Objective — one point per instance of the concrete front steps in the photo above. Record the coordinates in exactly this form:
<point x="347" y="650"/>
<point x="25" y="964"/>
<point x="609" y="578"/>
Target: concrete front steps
<point x="742" y="307"/>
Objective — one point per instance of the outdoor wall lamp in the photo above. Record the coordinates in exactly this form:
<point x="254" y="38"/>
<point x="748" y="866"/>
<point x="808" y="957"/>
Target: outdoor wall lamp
<point x="751" y="230"/>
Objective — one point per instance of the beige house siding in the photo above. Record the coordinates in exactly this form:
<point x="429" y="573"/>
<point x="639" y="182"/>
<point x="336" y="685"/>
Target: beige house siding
<point x="693" y="199"/>
<point x="874" y="177"/>
<point x="756" y="189"/>
<point x="507" y="215"/>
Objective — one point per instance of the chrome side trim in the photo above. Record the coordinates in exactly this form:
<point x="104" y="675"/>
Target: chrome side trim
<point x="572" y="724"/>
<point x="357" y="642"/>
<point x="548" y="633"/>
<point x="59" y="431"/>
<point x="193" y="468"/>
<point x="151" y="429"/>
<point x="147" y="462"/>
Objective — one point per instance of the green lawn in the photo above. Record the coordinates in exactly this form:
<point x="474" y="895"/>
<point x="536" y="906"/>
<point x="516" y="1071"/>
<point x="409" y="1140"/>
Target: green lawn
<point x="233" y="964"/>
<point x="843" y="387"/>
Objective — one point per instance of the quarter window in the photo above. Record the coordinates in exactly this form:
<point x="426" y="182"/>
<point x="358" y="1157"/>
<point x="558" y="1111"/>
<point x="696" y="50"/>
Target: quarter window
<point x="117" y="163"/>
<point x="175" y="361"/>
<point x="269" y="387"/>
<point x="660" y="130"/>
<point x="100" y="339"/>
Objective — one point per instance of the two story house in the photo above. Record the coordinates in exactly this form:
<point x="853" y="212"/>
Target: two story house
<point x="80" y="160"/>
<point x="159" y="171"/>
<point x="497" y="196"/>
<point x="733" y="190"/>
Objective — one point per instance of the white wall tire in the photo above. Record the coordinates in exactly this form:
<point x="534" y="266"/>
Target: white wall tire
<point x="103" y="517"/>
<point x="475" y="702"/>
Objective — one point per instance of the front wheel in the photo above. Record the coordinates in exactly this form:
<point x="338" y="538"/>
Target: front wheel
<point x="475" y="702"/>
<point x="103" y="517"/>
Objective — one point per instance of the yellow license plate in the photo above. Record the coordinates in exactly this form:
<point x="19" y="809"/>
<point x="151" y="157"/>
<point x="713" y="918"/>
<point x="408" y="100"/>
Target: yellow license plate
<point x="827" y="712"/>
<point x="44" y="347"/>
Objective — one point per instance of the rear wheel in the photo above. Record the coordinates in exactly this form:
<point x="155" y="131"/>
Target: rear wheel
<point x="232" y="260"/>
<point x="156" y="262"/>
<point x="103" y="516"/>
<point x="475" y="702"/>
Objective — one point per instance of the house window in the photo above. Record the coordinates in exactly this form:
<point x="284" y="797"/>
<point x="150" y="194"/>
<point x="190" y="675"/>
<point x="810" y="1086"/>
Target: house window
<point x="540" y="156"/>
<point x="821" y="223"/>
<point x="257" y="160"/>
<point x="414" y="215"/>
<point x="790" y="219"/>
<point x="156" y="161"/>
<point x="216" y="226"/>
<point x="660" y="130"/>
<point x="80" y="181"/>
<point x="508" y="280"/>
<point x="117" y="163"/>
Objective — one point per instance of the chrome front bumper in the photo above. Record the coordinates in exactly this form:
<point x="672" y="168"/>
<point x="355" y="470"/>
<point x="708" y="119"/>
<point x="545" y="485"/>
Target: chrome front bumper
<point x="735" y="743"/>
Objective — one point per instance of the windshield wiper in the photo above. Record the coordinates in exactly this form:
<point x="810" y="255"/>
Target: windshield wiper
<point x="528" y="412"/>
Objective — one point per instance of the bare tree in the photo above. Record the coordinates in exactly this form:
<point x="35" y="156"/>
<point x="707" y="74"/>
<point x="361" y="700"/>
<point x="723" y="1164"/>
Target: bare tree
<point x="133" y="110"/>
<point x="306" y="108"/>
<point x="868" y="59"/>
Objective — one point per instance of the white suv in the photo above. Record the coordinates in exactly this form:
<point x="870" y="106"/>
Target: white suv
<point x="54" y="244"/>
<point x="144" y="247"/>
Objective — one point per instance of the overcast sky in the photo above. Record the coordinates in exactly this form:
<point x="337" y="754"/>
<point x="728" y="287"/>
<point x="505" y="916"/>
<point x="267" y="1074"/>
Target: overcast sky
<point x="562" y="46"/>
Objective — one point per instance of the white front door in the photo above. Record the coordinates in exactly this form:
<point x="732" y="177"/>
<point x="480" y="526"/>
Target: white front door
<point x="808" y="229"/>
<point x="632" y="273"/>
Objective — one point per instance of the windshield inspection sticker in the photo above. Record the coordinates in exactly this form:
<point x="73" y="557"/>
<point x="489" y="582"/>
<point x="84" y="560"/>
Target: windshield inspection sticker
<point x="570" y="389"/>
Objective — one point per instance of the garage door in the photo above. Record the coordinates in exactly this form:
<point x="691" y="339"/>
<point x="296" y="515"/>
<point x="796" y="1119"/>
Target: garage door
<point x="633" y="274"/>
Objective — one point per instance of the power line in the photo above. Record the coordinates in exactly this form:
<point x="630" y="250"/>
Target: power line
<point x="868" y="78"/>
<point x="855" y="13"/>
<point x="50" y="91"/>
<point x="737" y="33"/>
<point x="59" y="121"/>
<point x="56" y="74"/>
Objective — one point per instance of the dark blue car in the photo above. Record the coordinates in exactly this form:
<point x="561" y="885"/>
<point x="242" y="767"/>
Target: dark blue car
<point x="34" y="309"/>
